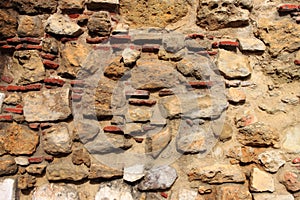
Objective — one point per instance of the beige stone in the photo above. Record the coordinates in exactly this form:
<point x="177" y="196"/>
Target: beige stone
<point x="261" y="181"/>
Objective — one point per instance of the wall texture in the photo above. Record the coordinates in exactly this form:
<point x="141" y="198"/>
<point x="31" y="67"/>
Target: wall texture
<point x="157" y="99"/>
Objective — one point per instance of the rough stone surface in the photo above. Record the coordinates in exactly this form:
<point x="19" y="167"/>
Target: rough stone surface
<point x="55" y="191"/>
<point x="114" y="191"/>
<point x="161" y="177"/>
<point x="173" y="42"/>
<point x="130" y="56"/>
<point x="290" y="178"/>
<point x="8" y="24"/>
<point x="158" y="141"/>
<point x="271" y="160"/>
<point x="251" y="45"/>
<point x="169" y="12"/>
<point x="36" y="169"/>
<point x="27" y="67"/>
<point x="48" y="105"/>
<point x="134" y="173"/>
<point x="50" y="45"/>
<point x="291" y="139"/>
<point x="8" y="189"/>
<point x="22" y="161"/>
<point x="258" y="134"/>
<point x="30" y="26"/>
<point x="57" y="139"/>
<point x="61" y="25"/>
<point x="233" y="65"/>
<point x="66" y="171"/>
<point x="268" y="196"/>
<point x="99" y="24"/>
<point x="35" y="6"/>
<point x="115" y="70"/>
<point x="261" y="181"/>
<point x="139" y="114"/>
<point x="81" y="155"/>
<point x="2" y="97"/>
<point x="20" y="140"/>
<point x="230" y="14"/>
<point x="99" y="170"/>
<point x="234" y="192"/>
<point x="218" y="173"/>
<point x="26" y="181"/>
<point x="73" y="6"/>
<point x="7" y="165"/>
<point x="236" y="95"/>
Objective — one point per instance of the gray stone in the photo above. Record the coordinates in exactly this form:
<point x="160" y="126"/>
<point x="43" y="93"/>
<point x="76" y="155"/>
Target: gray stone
<point x="291" y="141"/>
<point x="261" y="181"/>
<point x="62" y="25"/>
<point x="57" y="139"/>
<point x="130" y="56"/>
<point x="160" y="177"/>
<point x="2" y="97"/>
<point x="233" y="65"/>
<point x="268" y="196"/>
<point x="251" y="44"/>
<point x="99" y="24"/>
<point x="87" y="130"/>
<point x="110" y="5"/>
<point x="134" y="173"/>
<point x="66" y="170"/>
<point x="8" y="189"/>
<point x="31" y="7"/>
<point x="50" y="45"/>
<point x="271" y="160"/>
<point x="143" y="37"/>
<point x="27" y="67"/>
<point x="218" y="173"/>
<point x="168" y="56"/>
<point x="173" y="42"/>
<point x="47" y="105"/>
<point x="52" y="191"/>
<point x="30" y="26"/>
<point x="8" y="165"/>
<point x="114" y="191"/>
<point x="258" y="134"/>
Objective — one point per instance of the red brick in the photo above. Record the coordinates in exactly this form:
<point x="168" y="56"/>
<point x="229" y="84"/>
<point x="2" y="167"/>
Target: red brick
<point x="66" y="39"/>
<point x="3" y="43"/>
<point x="19" y="106"/>
<point x="200" y="84"/>
<point x="164" y="195"/>
<point x="34" y="125"/>
<point x="138" y="140"/>
<point x="215" y="45"/>
<point x="15" y="88"/>
<point x="28" y="47"/>
<point x="148" y="128"/>
<point x="7" y="78"/>
<point x="13" y="40"/>
<point x="77" y="90"/>
<point x="14" y="110"/>
<point x="3" y="88"/>
<point x="143" y="94"/>
<point x="113" y="129"/>
<point x="54" y="81"/>
<point x="74" y="16"/>
<point x="296" y="160"/>
<point x="48" y="56"/>
<point x="165" y="92"/>
<point x="150" y="48"/>
<point x="102" y="47"/>
<point x="118" y="47"/>
<point x="50" y="64"/>
<point x="36" y="86"/>
<point x="288" y="8"/>
<point x="142" y="102"/>
<point x="76" y="97"/>
<point x="31" y="40"/>
<point x="77" y="83"/>
<point x="195" y="36"/>
<point x="297" y="62"/>
<point x="96" y="40"/>
<point x="49" y="158"/>
<point x="8" y="118"/>
<point x="45" y="125"/>
<point x="8" y="47"/>
<point x="38" y="159"/>
<point x="228" y="44"/>
<point x="120" y="39"/>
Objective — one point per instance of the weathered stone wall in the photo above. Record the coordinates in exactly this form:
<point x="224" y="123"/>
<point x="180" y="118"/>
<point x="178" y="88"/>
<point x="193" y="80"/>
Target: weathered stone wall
<point x="158" y="99"/>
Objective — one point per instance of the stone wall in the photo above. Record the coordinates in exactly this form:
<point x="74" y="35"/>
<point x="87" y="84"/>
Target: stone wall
<point x="157" y="99"/>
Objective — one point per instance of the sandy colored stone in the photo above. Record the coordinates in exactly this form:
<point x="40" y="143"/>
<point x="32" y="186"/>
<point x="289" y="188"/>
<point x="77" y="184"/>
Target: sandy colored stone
<point x="47" y="105"/>
<point x="233" y="192"/>
<point x="261" y="181"/>
<point x="99" y="24"/>
<point x="30" y="26"/>
<point x="236" y="95"/>
<point x="99" y="170"/>
<point x="26" y="181"/>
<point x="271" y="160"/>
<point x="139" y="113"/>
<point x="158" y="141"/>
<point x="218" y="173"/>
<point x="115" y="70"/>
<point x="8" y="165"/>
<point x="130" y="56"/>
<point x="72" y="6"/>
<point x="251" y="44"/>
<point x="55" y="191"/>
<point x="291" y="141"/>
<point x="8" y="24"/>
<point x="35" y="6"/>
<point x="36" y="169"/>
<point x="13" y="99"/>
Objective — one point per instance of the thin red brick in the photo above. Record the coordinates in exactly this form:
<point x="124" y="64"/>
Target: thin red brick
<point x="137" y="94"/>
<point x="117" y="47"/>
<point x="228" y="44"/>
<point x="54" y="81"/>
<point x="48" y="56"/>
<point x="215" y="45"/>
<point x="150" y="48"/>
<point x="195" y="36"/>
<point x="28" y="47"/>
<point x="102" y="47"/>
<point x="297" y="62"/>
<point x="199" y="84"/>
<point x="164" y="195"/>
<point x="77" y="83"/>
<point x="165" y="92"/>
<point x="120" y="39"/>
<point x="38" y="159"/>
<point x="296" y="160"/>
<point x="288" y="8"/>
<point x="34" y="125"/>
<point x="142" y="102"/>
<point x="49" y="158"/>
<point x="15" y="88"/>
<point x="74" y="16"/>
<point x="96" y="40"/>
<point x="66" y="39"/>
<point x="76" y="97"/>
<point x="138" y="140"/>
<point x="8" y="47"/>
<point x="13" y="40"/>
<point x="7" y="78"/>
<point x="3" y="88"/>
<point x="8" y="118"/>
<point x="14" y="110"/>
<point x="113" y="129"/>
<point x="3" y="43"/>
<point x="36" y="86"/>
<point x="50" y="64"/>
<point x="77" y="90"/>
<point x="31" y="40"/>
